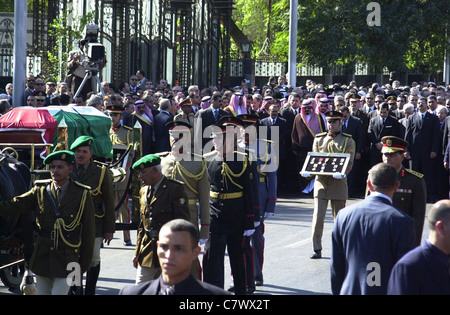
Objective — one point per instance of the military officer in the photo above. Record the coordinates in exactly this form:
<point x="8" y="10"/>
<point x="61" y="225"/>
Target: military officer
<point x="161" y="200"/>
<point x="65" y="217"/>
<point x="121" y="138"/>
<point x="183" y="165"/>
<point x="231" y="207"/>
<point x="410" y="196"/>
<point x="99" y="178"/>
<point x="327" y="187"/>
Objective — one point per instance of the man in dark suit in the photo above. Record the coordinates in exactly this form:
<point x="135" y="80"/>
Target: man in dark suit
<point x="275" y="121"/>
<point x="167" y="109"/>
<point x="363" y="255"/>
<point x="353" y="126"/>
<point x="380" y="126"/>
<point x="210" y="116"/>
<point x="422" y="134"/>
<point x="145" y="116"/>
<point x="424" y="270"/>
<point x="179" y="238"/>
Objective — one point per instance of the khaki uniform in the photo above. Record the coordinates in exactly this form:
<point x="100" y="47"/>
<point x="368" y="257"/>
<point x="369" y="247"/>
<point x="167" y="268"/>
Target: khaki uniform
<point x="169" y="202"/>
<point x="121" y="138"/>
<point x="99" y="178"/>
<point x="325" y="186"/>
<point x="195" y="177"/>
<point x="63" y="240"/>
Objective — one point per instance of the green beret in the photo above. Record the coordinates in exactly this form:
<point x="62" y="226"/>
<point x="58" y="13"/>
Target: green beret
<point x="81" y="142"/>
<point x="147" y="161"/>
<point x="63" y="155"/>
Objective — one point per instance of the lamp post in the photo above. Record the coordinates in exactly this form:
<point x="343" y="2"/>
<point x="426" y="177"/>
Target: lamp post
<point x="246" y="47"/>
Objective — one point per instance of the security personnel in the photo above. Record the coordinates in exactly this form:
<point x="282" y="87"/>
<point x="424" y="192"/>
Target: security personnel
<point x="231" y="207"/>
<point x="65" y="217"/>
<point x="183" y="165"/>
<point x="99" y="178"/>
<point x="327" y="187"/>
<point x="410" y="196"/>
<point x="121" y="138"/>
<point x="161" y="200"/>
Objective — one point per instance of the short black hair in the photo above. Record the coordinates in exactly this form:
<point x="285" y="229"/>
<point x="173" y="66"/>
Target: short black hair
<point x="181" y="225"/>
<point x="383" y="176"/>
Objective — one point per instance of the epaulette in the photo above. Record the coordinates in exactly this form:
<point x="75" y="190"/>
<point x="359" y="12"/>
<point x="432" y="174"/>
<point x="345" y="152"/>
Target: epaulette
<point x="417" y="174"/>
<point x="176" y="181"/>
<point x="163" y="154"/>
<point x="128" y="128"/>
<point x="82" y="185"/>
<point x="43" y="181"/>
<point x="322" y="134"/>
<point x="347" y="135"/>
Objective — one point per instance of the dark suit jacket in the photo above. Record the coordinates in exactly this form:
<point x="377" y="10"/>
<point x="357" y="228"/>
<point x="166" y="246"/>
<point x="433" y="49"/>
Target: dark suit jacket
<point x="162" y="143"/>
<point x="192" y="286"/>
<point x="207" y="118"/>
<point x="377" y="130"/>
<point x="422" y="271"/>
<point x="281" y="124"/>
<point x="370" y="231"/>
<point x="354" y="128"/>
<point x="148" y="145"/>
<point x="422" y="135"/>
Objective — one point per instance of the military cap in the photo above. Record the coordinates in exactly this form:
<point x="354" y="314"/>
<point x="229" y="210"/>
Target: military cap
<point x="180" y="125"/>
<point x="248" y="119"/>
<point x="230" y="121"/>
<point x="333" y="114"/>
<point x="63" y="155"/>
<point x="186" y="101"/>
<point x="147" y="161"/>
<point x="307" y="103"/>
<point x="392" y="144"/>
<point x="355" y="97"/>
<point x="117" y="109"/>
<point x="81" y="141"/>
<point x="40" y="95"/>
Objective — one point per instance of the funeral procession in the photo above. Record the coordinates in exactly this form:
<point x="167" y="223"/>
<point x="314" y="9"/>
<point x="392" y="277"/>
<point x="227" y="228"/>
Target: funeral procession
<point x="202" y="147"/>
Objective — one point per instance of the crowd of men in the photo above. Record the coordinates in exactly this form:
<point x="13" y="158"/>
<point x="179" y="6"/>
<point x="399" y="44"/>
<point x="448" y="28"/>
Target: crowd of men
<point x="235" y="195"/>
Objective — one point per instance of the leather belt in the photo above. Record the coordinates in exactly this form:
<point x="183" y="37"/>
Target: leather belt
<point x="234" y="195"/>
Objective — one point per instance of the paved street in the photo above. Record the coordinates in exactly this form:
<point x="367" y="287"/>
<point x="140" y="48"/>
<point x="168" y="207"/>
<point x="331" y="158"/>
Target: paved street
<point x="288" y="270"/>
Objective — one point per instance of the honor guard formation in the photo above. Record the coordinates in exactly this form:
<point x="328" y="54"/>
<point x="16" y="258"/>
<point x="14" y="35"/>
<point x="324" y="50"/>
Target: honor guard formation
<point x="196" y="172"/>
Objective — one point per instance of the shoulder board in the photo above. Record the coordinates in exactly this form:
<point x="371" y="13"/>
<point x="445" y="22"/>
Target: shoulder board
<point x="82" y="185"/>
<point x="347" y="135"/>
<point x="322" y="134"/>
<point x="417" y="174"/>
<point x="163" y="154"/>
<point x="128" y="128"/>
<point x="42" y="181"/>
<point x="175" y="181"/>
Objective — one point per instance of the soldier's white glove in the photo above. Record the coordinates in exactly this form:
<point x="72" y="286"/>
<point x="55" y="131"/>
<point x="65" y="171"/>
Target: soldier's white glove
<point x="249" y="232"/>
<point x="305" y="174"/>
<point x="202" y="241"/>
<point x="338" y="176"/>
<point x="256" y="223"/>
<point x="268" y="214"/>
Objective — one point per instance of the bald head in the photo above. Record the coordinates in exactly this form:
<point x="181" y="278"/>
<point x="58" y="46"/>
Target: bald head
<point x="440" y="211"/>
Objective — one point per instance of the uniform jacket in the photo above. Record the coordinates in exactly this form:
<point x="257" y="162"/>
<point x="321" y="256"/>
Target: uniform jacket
<point x="422" y="271"/>
<point x="370" y="231"/>
<point x="196" y="183"/>
<point x="169" y="202"/>
<point x="51" y="256"/>
<point x="191" y="286"/>
<point x="102" y="195"/>
<point x="327" y="187"/>
<point x="236" y="214"/>
<point x="410" y="198"/>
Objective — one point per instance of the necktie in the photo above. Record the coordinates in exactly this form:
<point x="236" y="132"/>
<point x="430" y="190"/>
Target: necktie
<point x="344" y="126"/>
<point x="170" y="290"/>
<point x="58" y="195"/>
<point x="152" y="193"/>
<point x="216" y="115"/>
<point x="273" y="122"/>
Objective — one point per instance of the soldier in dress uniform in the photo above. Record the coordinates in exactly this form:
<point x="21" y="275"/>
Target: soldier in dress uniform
<point x="184" y="165"/>
<point x="327" y="187"/>
<point x="231" y="207"/>
<point x="99" y="178"/>
<point x="187" y="113"/>
<point x="121" y="138"/>
<point x="161" y="200"/>
<point x="65" y="217"/>
<point x="410" y="196"/>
